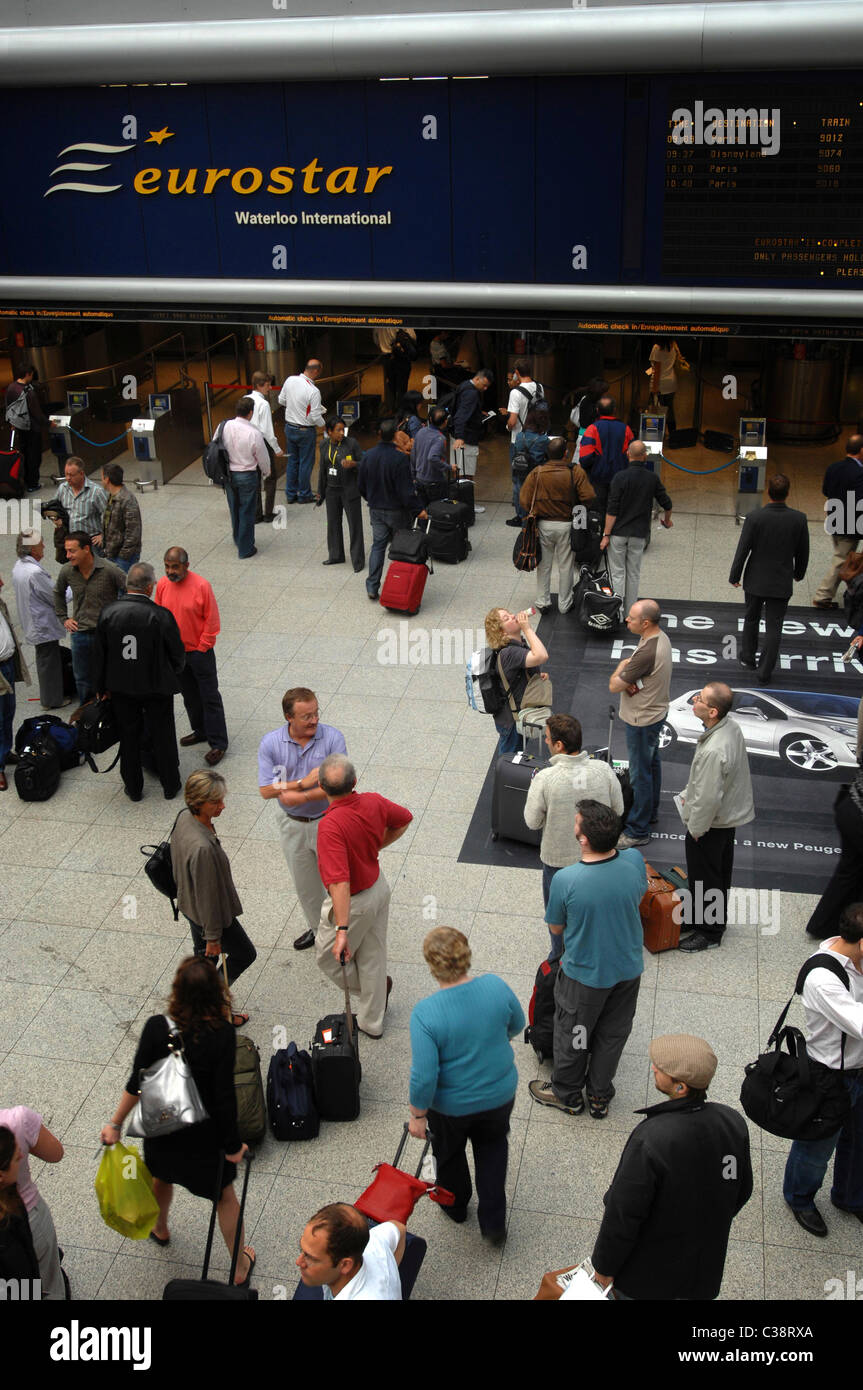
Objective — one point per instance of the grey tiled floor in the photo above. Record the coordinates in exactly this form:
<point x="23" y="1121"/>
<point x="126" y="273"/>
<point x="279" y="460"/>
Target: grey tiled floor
<point x="88" y="948"/>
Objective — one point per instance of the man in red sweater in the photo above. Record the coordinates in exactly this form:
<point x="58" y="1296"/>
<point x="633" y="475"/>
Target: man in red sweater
<point x="352" y="832"/>
<point x="191" y="599"/>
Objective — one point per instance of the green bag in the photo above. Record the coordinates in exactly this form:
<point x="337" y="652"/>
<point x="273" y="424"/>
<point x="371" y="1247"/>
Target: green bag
<point x="249" y="1086"/>
<point x="124" y="1187"/>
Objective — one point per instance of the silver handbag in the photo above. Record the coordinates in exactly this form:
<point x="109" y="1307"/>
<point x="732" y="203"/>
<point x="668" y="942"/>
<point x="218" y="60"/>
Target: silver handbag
<point x="169" y="1099"/>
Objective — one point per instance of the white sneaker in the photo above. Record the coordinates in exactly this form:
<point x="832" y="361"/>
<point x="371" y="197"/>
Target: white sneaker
<point x="478" y="509"/>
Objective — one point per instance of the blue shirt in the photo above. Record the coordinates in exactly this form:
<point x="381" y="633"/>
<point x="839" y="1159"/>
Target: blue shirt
<point x="461" y="1056"/>
<point x="597" y="903"/>
<point x="428" y="458"/>
<point x="280" y="759"/>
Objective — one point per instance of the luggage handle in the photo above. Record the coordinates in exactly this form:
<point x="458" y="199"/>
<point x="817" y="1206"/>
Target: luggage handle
<point x="235" y="1254"/>
<point x="404" y="1140"/>
<point x="348" y="1015"/>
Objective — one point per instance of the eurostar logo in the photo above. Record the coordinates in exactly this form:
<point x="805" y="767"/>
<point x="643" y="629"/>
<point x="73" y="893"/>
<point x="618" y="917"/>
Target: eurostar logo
<point x="81" y="167"/>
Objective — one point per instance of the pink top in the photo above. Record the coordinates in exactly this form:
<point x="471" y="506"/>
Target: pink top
<point x="25" y="1125"/>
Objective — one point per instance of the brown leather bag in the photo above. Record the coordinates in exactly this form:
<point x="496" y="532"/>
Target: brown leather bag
<point x="852" y="566"/>
<point x="661" y="931"/>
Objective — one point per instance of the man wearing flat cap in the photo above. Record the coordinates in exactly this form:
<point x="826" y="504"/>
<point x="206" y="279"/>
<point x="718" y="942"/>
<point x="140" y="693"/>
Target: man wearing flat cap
<point x="683" y="1176"/>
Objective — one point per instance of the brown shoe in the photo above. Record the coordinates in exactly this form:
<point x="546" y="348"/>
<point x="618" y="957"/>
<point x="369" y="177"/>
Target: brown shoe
<point x="214" y="756"/>
<point x="3" y="783"/>
<point x="189" y="739"/>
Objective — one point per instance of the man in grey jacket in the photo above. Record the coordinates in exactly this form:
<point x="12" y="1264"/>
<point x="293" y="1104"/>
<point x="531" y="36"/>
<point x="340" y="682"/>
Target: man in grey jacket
<point x="572" y="775"/>
<point x="717" y="798"/>
<point x="34" y="595"/>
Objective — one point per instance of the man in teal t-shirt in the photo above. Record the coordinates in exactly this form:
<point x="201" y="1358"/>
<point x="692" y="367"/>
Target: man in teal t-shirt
<point x="595" y="905"/>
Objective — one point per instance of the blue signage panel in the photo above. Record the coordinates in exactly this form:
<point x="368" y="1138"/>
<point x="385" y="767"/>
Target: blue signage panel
<point x="726" y="179"/>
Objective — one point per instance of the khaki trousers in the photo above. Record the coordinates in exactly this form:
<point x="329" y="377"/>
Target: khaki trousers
<point x="842" y="547"/>
<point x="300" y="847"/>
<point x="367" y="938"/>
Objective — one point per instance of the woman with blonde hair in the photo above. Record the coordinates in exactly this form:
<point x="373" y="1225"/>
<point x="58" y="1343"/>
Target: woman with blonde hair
<point x="520" y="652"/>
<point x="463" y="1077"/>
<point x="200" y="1008"/>
<point x="205" y="887"/>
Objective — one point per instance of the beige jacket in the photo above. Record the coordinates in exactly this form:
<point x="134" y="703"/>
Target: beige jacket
<point x="21" y="672"/>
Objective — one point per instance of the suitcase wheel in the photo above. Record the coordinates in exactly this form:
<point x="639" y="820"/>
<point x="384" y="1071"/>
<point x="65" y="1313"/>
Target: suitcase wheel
<point x="494" y="835"/>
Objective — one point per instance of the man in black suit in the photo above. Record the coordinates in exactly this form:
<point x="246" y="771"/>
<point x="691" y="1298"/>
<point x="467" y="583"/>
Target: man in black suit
<point x="773" y="552"/>
<point x="843" y="487"/>
<point x="138" y="658"/>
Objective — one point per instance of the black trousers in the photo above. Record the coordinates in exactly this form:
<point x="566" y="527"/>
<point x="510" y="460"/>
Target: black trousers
<point x="29" y="445"/>
<point x="774" y="612"/>
<point x="397" y="371"/>
<point x="668" y="401"/>
<point x="235" y="945"/>
<point x="353" y="510"/>
<point x="199" y="683"/>
<point x="709" y="861"/>
<point x="846" y="885"/>
<point x="487" y="1131"/>
<point x="147" y="720"/>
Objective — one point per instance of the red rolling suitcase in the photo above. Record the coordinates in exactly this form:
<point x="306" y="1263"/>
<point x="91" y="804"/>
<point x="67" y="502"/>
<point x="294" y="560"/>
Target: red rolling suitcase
<point x="403" y="587"/>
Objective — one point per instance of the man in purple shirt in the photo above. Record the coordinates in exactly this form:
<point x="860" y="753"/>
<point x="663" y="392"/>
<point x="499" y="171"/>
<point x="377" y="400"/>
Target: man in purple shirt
<point x="288" y="762"/>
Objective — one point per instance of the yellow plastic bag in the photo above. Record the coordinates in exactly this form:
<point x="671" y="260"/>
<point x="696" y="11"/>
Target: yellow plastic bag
<point x="124" y="1187"/>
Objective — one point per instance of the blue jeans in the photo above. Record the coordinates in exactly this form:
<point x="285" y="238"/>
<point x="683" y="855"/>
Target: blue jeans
<point x="509" y="740"/>
<point x="81" y="644"/>
<point x="300" y="451"/>
<point x="516" y="485"/>
<point x="645" y="772"/>
<point x="548" y="873"/>
<point x="126" y="565"/>
<point x="242" y="499"/>
<point x="384" y="526"/>
<point x="7" y="711"/>
<point x="808" y="1159"/>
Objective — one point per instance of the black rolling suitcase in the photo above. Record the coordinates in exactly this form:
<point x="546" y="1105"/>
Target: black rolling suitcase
<point x="447" y="531"/>
<point x="622" y="772"/>
<point x="206" y="1290"/>
<point x="336" y="1069"/>
<point x="462" y="489"/>
<point x="512" y="777"/>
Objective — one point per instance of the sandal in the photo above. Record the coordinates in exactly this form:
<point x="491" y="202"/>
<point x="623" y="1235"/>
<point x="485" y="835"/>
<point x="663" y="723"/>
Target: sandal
<point x="239" y="1019"/>
<point x="160" y="1240"/>
<point x="249" y="1252"/>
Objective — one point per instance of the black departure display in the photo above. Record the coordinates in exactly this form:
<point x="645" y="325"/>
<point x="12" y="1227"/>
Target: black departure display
<point x="764" y="182"/>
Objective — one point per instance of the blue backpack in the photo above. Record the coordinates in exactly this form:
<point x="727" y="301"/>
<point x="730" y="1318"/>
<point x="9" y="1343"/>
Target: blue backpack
<point x="64" y="736"/>
<point x="290" y="1095"/>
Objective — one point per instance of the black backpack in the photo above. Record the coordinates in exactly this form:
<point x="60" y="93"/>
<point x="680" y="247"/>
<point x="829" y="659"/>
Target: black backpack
<point x="540" y="1011"/>
<point x="216" y="461"/>
<point x="98" y="730"/>
<point x="64" y="737"/>
<point x="37" y="772"/>
<point x="405" y="346"/>
<point x="290" y="1095"/>
<point x="789" y="1094"/>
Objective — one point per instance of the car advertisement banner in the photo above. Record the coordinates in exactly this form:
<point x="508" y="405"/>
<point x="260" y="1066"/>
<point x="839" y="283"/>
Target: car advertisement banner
<point x="800" y="731"/>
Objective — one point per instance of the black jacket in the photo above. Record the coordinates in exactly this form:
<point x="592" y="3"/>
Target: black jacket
<point x="772" y="552"/>
<point x="466" y="420"/>
<point x="331" y="455"/>
<point x="683" y="1176"/>
<point x="17" y="1255"/>
<point x="384" y="480"/>
<point x="139" y="650"/>
<point x="631" y="497"/>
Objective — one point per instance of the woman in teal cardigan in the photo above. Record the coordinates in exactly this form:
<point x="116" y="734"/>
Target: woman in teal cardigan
<point x="463" y="1078"/>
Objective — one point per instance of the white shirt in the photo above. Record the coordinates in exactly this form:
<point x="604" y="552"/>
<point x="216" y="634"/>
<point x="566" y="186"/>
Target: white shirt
<point x="831" y="1010"/>
<point x="262" y="419"/>
<point x="519" y="405"/>
<point x="665" y="361"/>
<point x="245" y="446"/>
<point x="302" y="401"/>
<point x="7" y="641"/>
<point x="385" y="337"/>
<point x="377" y="1279"/>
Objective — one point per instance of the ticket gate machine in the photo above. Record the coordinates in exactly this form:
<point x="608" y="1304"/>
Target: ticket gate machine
<point x="751" y="465"/>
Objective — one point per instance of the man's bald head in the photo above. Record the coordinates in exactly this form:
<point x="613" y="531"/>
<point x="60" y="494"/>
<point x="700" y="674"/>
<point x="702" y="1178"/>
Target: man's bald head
<point x="647" y="610"/>
<point x="637" y="452"/>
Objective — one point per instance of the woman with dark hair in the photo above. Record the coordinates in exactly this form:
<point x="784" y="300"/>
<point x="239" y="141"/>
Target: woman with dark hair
<point x="338" y="488"/>
<point x="200" y="1008"/>
<point x="205" y="886"/>
<point x="32" y="1137"/>
<point x="409" y="417"/>
<point x="463" y="1077"/>
<point x="17" y="1256"/>
<point x="586" y="398"/>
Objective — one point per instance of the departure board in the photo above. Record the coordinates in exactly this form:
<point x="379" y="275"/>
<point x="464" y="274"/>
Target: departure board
<point x="764" y="182"/>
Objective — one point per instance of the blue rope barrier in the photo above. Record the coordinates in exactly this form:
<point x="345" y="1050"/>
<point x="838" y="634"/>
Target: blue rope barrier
<point x="700" y="472"/>
<point x="98" y="443"/>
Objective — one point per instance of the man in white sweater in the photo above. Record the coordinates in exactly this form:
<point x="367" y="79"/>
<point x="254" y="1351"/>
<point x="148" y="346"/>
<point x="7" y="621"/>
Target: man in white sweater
<point x="571" y="776"/>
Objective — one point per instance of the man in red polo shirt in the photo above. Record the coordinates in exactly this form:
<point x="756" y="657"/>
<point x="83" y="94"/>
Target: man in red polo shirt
<point x="353" y="830"/>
